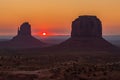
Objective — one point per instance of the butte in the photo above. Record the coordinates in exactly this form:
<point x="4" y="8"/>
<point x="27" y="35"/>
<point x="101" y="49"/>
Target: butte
<point x="23" y="39"/>
<point x="86" y="35"/>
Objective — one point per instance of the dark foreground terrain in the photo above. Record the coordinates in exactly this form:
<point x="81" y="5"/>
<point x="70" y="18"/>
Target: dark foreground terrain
<point x="64" y="65"/>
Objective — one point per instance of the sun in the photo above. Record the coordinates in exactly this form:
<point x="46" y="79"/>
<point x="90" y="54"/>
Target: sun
<point x="44" y="34"/>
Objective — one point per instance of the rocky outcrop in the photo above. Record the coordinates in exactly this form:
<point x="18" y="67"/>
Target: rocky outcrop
<point x="86" y="35"/>
<point x="86" y="26"/>
<point x="23" y="39"/>
<point x="25" y="29"/>
<point x="24" y="33"/>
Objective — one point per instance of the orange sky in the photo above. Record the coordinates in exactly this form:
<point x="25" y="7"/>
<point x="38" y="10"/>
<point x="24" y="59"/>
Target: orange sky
<point x="56" y="16"/>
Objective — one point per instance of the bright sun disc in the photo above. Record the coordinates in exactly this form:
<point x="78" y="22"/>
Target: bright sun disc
<point x="44" y="34"/>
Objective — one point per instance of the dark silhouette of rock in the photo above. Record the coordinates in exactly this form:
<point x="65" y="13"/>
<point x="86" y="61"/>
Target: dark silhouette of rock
<point x="25" y="29"/>
<point x="86" y="34"/>
<point x="23" y="39"/>
<point x="24" y="33"/>
<point x="86" y="26"/>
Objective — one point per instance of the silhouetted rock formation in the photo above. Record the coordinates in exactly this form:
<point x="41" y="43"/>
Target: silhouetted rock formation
<point x="23" y="39"/>
<point x="86" y="26"/>
<point x="86" y="34"/>
<point x="24" y="33"/>
<point x="25" y="29"/>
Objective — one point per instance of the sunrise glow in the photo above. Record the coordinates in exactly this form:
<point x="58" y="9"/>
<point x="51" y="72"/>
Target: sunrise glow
<point x="44" y="34"/>
<point x="56" y="16"/>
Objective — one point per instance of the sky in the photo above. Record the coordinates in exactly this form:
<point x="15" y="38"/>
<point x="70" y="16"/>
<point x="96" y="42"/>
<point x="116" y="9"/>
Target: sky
<point x="55" y="16"/>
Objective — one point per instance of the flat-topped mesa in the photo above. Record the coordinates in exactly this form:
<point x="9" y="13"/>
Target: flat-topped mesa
<point x="86" y="35"/>
<point x="86" y="26"/>
<point x="25" y="29"/>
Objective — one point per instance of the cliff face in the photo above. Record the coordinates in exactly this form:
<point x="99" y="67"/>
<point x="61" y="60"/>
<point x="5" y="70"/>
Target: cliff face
<point x="86" y="26"/>
<point x="25" y="29"/>
<point x="24" y="33"/>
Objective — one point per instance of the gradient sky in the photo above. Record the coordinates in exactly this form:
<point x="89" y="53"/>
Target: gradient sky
<point x="56" y="16"/>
